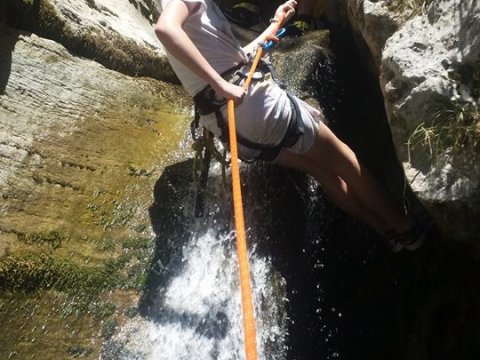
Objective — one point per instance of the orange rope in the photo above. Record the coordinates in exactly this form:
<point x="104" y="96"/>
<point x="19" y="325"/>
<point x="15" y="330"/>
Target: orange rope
<point x="245" y="280"/>
<point x="259" y="54"/>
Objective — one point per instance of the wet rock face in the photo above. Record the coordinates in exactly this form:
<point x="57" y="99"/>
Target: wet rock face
<point x="81" y="148"/>
<point x="73" y="133"/>
<point x="314" y="80"/>
<point x="429" y="74"/>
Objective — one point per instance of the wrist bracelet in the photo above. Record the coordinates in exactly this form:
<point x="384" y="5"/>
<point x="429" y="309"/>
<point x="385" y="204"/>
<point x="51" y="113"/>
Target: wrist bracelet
<point x="273" y="20"/>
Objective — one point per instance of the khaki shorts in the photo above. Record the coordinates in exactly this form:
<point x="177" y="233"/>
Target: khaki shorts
<point x="256" y="126"/>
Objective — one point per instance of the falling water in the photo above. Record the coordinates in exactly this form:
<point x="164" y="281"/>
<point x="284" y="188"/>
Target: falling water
<point x="195" y="312"/>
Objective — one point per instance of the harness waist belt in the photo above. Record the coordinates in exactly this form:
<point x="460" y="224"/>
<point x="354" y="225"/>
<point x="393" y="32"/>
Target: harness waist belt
<point x="207" y="102"/>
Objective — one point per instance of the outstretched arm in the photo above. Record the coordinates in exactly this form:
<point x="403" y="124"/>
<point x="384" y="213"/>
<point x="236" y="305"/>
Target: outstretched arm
<point x="287" y="9"/>
<point x="169" y="30"/>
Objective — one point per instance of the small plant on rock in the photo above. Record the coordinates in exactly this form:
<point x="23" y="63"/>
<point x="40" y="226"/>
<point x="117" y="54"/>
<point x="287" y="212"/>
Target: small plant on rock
<point x="454" y="128"/>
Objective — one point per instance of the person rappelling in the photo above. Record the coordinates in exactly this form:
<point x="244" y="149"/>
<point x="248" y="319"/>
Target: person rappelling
<point x="272" y="124"/>
<point x="240" y="101"/>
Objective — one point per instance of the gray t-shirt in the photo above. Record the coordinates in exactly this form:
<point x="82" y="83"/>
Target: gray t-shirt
<point x="210" y="31"/>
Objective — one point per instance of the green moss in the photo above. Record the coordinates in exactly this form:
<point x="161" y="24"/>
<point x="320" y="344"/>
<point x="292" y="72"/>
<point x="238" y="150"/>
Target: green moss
<point x="49" y="21"/>
<point x="34" y="326"/>
<point x="83" y="285"/>
<point x="131" y="312"/>
<point x="52" y="238"/>
<point x="138" y="243"/>
<point x="140" y="228"/>
<point x="107" y="245"/>
<point x="32" y="272"/>
<point x="108" y="328"/>
<point x="103" y="310"/>
<point x="79" y="351"/>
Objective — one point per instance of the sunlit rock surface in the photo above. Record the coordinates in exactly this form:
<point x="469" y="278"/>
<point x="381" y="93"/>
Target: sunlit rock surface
<point x="73" y="132"/>
<point x="118" y="34"/>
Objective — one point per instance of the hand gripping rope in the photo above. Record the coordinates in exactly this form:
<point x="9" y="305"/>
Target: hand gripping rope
<point x="245" y="280"/>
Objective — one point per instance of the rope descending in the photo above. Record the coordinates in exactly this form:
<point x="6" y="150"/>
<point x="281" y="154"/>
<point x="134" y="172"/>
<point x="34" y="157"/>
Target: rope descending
<point x="245" y="280"/>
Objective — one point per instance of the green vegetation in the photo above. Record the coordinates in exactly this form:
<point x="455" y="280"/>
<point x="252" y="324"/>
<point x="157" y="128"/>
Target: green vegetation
<point x="45" y="270"/>
<point x="104" y="310"/>
<point x="79" y="351"/>
<point x="108" y="328"/>
<point x="138" y="243"/>
<point x="31" y="272"/>
<point x="87" y="294"/>
<point x="455" y="127"/>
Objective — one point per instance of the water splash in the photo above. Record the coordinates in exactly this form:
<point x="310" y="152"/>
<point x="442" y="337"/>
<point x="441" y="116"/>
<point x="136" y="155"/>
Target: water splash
<point x="196" y="312"/>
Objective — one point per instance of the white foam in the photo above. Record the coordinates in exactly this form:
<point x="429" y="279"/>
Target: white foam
<point x="200" y="311"/>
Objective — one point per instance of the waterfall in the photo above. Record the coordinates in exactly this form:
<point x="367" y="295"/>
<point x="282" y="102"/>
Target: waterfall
<point x="194" y="308"/>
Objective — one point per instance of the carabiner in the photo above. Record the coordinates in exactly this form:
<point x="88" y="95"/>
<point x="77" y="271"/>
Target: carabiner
<point x="269" y="44"/>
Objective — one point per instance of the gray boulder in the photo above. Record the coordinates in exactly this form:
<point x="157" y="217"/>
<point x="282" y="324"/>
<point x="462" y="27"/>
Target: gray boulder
<point x="427" y="59"/>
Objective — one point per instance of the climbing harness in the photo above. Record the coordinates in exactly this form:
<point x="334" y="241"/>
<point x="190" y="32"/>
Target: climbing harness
<point x="206" y="102"/>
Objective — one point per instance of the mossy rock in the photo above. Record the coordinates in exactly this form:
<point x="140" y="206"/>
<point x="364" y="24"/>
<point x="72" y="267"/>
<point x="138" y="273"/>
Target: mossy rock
<point x="32" y="272"/>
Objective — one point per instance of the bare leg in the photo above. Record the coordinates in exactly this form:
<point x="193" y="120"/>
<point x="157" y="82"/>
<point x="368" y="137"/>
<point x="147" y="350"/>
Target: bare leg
<point x="348" y="182"/>
<point x="335" y="188"/>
